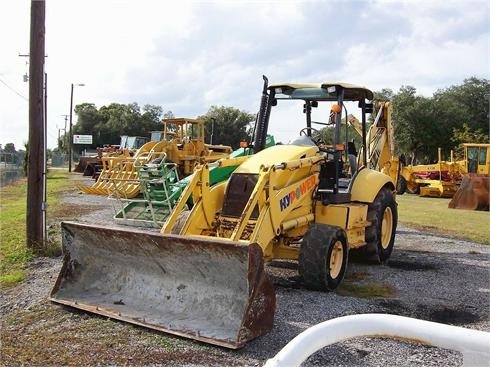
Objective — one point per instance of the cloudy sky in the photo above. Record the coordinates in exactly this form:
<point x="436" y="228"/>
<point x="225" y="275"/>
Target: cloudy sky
<point x="189" y="55"/>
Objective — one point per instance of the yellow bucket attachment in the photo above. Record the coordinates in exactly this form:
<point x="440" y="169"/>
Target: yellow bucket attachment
<point x="119" y="176"/>
<point x="473" y="193"/>
<point x="211" y="291"/>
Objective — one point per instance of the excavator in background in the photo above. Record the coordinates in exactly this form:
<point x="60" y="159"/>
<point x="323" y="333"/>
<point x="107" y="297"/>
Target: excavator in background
<point x="474" y="190"/>
<point x="204" y="275"/>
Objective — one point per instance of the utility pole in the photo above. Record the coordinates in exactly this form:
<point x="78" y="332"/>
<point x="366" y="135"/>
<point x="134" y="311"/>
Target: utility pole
<point x="70" y="143"/>
<point x="70" y="153"/>
<point x="35" y="205"/>
<point x="64" y="135"/>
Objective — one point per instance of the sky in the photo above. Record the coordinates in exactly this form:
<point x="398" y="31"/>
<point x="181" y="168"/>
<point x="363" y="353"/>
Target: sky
<point x="187" y="56"/>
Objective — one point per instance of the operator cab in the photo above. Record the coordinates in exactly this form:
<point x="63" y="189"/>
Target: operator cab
<point x="303" y="141"/>
<point x="341" y="162"/>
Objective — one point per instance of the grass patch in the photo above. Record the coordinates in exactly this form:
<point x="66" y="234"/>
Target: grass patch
<point x="433" y="215"/>
<point x="13" y="277"/>
<point x="14" y="254"/>
<point x="365" y="290"/>
<point x="51" y="336"/>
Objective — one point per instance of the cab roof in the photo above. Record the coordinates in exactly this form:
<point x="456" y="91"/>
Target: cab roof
<point x="327" y="91"/>
<point x="183" y="121"/>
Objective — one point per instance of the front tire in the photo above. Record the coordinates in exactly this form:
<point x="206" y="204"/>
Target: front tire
<point x="323" y="257"/>
<point x="380" y="235"/>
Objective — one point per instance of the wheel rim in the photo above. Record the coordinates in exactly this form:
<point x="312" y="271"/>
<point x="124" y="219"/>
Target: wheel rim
<point x="386" y="228"/>
<point x="336" y="259"/>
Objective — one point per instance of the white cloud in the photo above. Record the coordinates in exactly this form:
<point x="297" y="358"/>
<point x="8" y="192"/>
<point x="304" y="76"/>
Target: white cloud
<point x="189" y="55"/>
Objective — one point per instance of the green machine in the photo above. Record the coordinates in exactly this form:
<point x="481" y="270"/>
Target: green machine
<point x="161" y="188"/>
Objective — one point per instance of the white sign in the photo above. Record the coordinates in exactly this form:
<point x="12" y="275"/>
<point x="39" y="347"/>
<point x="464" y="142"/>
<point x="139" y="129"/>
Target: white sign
<point x="82" y="139"/>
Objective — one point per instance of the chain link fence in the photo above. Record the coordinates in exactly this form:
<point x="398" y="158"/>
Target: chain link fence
<point x="11" y="167"/>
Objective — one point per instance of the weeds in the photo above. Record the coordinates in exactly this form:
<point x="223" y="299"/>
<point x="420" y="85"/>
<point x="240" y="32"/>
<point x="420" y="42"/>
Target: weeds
<point x="366" y="290"/>
<point x="14" y="253"/>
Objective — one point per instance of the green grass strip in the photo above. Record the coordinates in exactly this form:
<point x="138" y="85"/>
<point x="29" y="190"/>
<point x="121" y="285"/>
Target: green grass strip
<point x="14" y="254"/>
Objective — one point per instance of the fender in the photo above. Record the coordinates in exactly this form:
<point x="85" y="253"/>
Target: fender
<point x="367" y="184"/>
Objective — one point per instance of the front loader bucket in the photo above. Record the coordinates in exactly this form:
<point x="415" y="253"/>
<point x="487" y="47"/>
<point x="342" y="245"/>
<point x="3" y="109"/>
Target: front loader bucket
<point x="473" y="193"/>
<point x="212" y="291"/>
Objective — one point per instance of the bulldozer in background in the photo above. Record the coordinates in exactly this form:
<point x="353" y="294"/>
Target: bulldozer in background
<point x="474" y="191"/>
<point x="204" y="277"/>
<point x="182" y="144"/>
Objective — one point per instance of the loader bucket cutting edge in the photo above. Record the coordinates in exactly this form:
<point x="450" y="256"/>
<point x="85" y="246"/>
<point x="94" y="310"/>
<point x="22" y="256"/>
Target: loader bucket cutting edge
<point x="211" y="291"/>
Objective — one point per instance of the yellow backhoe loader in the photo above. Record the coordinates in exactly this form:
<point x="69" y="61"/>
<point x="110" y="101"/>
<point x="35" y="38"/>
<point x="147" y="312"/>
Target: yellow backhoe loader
<point x="203" y="276"/>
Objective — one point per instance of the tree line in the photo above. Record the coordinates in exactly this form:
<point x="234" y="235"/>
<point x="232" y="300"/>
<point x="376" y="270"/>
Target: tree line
<point x="223" y="125"/>
<point x="453" y="115"/>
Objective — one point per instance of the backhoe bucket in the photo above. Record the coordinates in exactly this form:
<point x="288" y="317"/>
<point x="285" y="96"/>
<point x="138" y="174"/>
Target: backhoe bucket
<point x="211" y="291"/>
<point x="473" y="193"/>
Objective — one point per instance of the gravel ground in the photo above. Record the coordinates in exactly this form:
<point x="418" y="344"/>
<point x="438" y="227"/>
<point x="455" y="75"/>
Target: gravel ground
<point x="431" y="278"/>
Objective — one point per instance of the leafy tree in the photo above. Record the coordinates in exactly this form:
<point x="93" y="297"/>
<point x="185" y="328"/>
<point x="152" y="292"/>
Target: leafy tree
<point x="384" y="94"/>
<point x="466" y="135"/>
<point x="405" y="131"/>
<point x="418" y="131"/>
<point x="422" y="125"/>
<point x="227" y="125"/>
<point x="471" y="98"/>
<point x="89" y="122"/>
<point x="108" y="123"/>
<point x="9" y="148"/>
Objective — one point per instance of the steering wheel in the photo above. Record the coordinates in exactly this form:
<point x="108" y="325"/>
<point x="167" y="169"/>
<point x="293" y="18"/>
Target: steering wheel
<point x="316" y="138"/>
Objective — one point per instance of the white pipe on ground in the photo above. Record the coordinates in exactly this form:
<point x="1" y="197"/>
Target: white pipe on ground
<point x="474" y="344"/>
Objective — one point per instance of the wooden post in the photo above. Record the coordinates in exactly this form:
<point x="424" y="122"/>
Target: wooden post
<point x="35" y="184"/>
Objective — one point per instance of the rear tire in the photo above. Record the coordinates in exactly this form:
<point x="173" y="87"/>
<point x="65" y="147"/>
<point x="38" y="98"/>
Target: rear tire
<point x="380" y="235"/>
<point x="323" y="257"/>
<point x="401" y="185"/>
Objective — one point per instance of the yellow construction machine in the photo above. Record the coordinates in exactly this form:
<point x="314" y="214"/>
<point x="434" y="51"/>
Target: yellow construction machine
<point x="182" y="143"/>
<point x="90" y="164"/>
<point x="474" y="191"/>
<point x="432" y="180"/>
<point x="204" y="276"/>
<point x="438" y="179"/>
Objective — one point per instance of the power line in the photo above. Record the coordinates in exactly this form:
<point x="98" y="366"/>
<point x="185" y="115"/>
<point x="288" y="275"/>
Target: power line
<point x="13" y="90"/>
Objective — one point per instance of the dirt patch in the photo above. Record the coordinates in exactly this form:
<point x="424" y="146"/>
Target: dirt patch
<point x="366" y="290"/>
<point x="452" y="315"/>
<point x="447" y="315"/>
<point x="411" y="265"/>
<point x="70" y="211"/>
